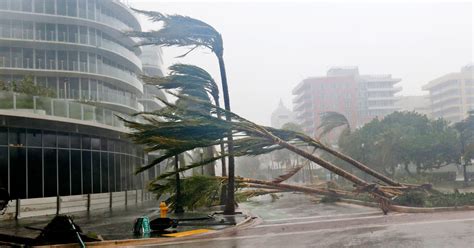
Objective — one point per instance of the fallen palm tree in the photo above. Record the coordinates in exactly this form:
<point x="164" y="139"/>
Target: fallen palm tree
<point x="173" y="130"/>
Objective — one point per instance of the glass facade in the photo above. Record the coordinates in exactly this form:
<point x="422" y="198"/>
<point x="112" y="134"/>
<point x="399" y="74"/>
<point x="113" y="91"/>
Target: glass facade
<point x="39" y="163"/>
<point x="95" y="10"/>
<point x="76" y="49"/>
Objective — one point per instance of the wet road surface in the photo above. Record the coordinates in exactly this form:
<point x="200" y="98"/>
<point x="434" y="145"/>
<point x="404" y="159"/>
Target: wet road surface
<point x="296" y="221"/>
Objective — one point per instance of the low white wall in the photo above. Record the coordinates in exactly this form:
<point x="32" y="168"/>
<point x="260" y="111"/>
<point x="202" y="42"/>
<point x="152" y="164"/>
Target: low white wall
<point x="75" y="203"/>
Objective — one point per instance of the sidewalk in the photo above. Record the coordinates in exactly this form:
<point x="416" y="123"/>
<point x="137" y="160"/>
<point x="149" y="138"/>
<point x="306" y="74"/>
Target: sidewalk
<point x="118" y="223"/>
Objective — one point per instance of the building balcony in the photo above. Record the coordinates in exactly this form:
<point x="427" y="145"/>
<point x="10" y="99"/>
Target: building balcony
<point x="108" y="49"/>
<point x="111" y="26"/>
<point x="391" y="107"/>
<point x="119" y="78"/>
<point x="42" y="107"/>
<point x="390" y="89"/>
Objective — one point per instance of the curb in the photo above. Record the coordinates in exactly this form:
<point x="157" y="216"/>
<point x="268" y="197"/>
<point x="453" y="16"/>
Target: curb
<point x="405" y="209"/>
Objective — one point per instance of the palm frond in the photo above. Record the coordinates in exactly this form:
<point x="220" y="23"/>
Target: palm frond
<point x="180" y="31"/>
<point x="332" y="120"/>
<point x="289" y="174"/>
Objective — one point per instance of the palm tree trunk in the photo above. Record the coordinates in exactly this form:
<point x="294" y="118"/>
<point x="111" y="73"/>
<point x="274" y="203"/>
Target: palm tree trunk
<point x="178" y="209"/>
<point x="298" y="188"/>
<point x="230" y="201"/>
<point x="323" y="163"/>
<point x="219" y="116"/>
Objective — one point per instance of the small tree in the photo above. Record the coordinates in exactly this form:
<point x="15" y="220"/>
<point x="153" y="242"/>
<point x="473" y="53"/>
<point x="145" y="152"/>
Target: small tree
<point x="465" y="130"/>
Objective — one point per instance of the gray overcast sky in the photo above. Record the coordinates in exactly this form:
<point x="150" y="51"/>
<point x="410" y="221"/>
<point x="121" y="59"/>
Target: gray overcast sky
<point x="271" y="47"/>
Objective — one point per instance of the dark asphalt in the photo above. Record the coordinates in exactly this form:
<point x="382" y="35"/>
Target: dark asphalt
<point x="296" y="220"/>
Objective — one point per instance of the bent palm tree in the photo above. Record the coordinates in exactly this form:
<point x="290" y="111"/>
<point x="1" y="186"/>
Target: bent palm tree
<point x="190" y="80"/>
<point x="183" y="31"/>
<point x="174" y="130"/>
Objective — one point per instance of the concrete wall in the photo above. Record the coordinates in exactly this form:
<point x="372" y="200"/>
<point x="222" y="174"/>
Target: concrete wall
<point x="75" y="203"/>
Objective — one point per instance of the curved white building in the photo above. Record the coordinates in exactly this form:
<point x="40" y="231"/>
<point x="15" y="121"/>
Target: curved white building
<point x="73" y="142"/>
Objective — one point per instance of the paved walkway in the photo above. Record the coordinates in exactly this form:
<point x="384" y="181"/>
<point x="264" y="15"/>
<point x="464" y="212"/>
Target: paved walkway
<point x="115" y="224"/>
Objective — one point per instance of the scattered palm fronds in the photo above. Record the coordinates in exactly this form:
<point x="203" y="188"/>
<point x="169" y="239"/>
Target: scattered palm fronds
<point x="287" y="176"/>
<point x="196" y="191"/>
<point x="174" y="130"/>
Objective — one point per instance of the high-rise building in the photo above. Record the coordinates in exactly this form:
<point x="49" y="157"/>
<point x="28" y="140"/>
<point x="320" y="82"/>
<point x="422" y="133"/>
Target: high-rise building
<point x="71" y="141"/>
<point x="452" y="95"/>
<point x="359" y="98"/>
<point x="419" y="104"/>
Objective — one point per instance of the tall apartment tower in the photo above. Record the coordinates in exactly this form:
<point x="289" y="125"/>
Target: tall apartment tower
<point x="359" y="98"/>
<point x="452" y="95"/>
<point x="60" y="145"/>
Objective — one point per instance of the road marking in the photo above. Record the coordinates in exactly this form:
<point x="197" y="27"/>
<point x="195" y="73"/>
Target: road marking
<point x="269" y="235"/>
<point x="322" y="216"/>
<point x="186" y="233"/>
<point x="324" y="221"/>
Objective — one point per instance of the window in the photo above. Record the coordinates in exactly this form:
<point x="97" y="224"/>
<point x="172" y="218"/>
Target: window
<point x="86" y="143"/>
<point x="95" y="143"/>
<point x="73" y="33"/>
<point x="82" y="8"/>
<point x="18" y="171"/>
<point x="49" y="6"/>
<point x="61" y="8"/>
<point x="83" y="35"/>
<point x="35" y="173"/>
<point x="118" y="172"/>
<point x="51" y="60"/>
<point x="76" y="172"/>
<point x="26" y="5"/>
<point x="39" y="6"/>
<point x="50" y="173"/>
<point x="72" y="60"/>
<point x="5" y="28"/>
<point x="71" y="7"/>
<point x="3" y="136"/>
<point x="63" y="172"/>
<point x="86" y="172"/>
<point x="111" y="167"/>
<point x="51" y="32"/>
<point x="91" y="9"/>
<point x="63" y="140"/>
<point x="49" y="139"/>
<point x="3" y="165"/>
<point x="104" y="165"/>
<point x="62" y="33"/>
<point x="15" y="5"/>
<point x="96" y="188"/>
<point x="16" y="137"/>
<point x="33" y="137"/>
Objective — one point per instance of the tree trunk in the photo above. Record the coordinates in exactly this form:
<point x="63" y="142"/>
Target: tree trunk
<point x="230" y="201"/>
<point x="291" y="187"/>
<point x="407" y="169"/>
<point x="209" y="169"/>
<point x="466" y="179"/>
<point x="178" y="209"/>
<point x="223" y="163"/>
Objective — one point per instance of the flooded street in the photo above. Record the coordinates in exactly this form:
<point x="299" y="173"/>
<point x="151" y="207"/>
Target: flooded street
<point x="296" y="221"/>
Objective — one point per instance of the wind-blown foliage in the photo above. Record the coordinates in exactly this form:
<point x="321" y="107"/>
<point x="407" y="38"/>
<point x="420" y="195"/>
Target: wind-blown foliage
<point x="196" y="191"/>
<point x="332" y="120"/>
<point x="174" y="130"/>
<point x="185" y="31"/>
<point x="189" y="79"/>
<point x="181" y="31"/>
